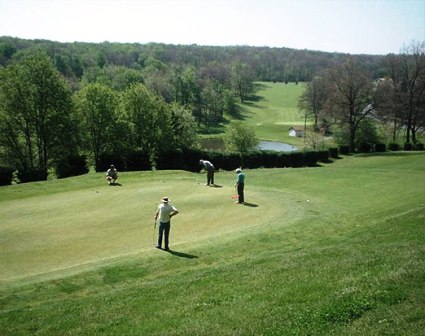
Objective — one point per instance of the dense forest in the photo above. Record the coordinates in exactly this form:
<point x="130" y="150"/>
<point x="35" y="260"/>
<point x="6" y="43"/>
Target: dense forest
<point x="74" y="100"/>
<point x="73" y="60"/>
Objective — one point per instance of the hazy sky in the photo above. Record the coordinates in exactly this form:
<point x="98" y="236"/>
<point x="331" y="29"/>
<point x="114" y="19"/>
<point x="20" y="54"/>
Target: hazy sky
<point x="351" y="26"/>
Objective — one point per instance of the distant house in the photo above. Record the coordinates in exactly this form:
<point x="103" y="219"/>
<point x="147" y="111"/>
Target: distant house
<point x="296" y="131"/>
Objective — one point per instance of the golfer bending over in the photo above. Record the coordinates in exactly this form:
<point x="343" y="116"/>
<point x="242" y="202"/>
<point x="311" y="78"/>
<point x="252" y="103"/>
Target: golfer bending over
<point x="209" y="167"/>
<point x="111" y="175"/>
<point x="165" y="212"/>
<point x="240" y="184"/>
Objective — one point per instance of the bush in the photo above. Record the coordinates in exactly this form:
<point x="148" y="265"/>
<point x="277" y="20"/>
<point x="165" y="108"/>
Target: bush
<point x="284" y="160"/>
<point x="73" y="165"/>
<point x="333" y="152"/>
<point x="394" y="146"/>
<point x="230" y="161"/>
<point x="323" y="156"/>
<point x="6" y="175"/>
<point x="106" y="159"/>
<point x="32" y="175"/>
<point x="407" y="146"/>
<point x="297" y="159"/>
<point x="311" y="158"/>
<point x="344" y="149"/>
<point x="365" y="148"/>
<point x="272" y="159"/>
<point x="419" y="146"/>
<point x="170" y="160"/>
<point x="380" y="147"/>
<point x="137" y="160"/>
<point x="191" y="159"/>
<point x="253" y="160"/>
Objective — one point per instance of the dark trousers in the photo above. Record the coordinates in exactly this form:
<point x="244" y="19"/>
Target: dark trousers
<point x="210" y="176"/>
<point x="241" y="187"/>
<point x="164" y="230"/>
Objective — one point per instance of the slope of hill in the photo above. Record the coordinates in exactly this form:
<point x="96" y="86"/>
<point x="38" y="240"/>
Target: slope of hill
<point x="336" y="249"/>
<point x="274" y="110"/>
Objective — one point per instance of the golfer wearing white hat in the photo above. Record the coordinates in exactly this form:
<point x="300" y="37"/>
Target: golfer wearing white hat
<point x="165" y="212"/>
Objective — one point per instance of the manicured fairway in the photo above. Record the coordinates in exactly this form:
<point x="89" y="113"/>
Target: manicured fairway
<point x="274" y="111"/>
<point x="331" y="250"/>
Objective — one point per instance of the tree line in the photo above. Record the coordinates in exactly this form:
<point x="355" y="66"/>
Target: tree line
<point x="348" y="97"/>
<point x="59" y="100"/>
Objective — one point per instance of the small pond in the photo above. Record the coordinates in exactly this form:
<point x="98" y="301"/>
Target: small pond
<point x="218" y="144"/>
<point x="276" y="146"/>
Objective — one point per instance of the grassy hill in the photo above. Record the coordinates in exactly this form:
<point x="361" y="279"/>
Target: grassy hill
<point x="274" y="110"/>
<point x="270" y="112"/>
<point x="331" y="250"/>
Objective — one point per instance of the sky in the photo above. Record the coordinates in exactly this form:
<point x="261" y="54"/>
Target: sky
<point x="375" y="27"/>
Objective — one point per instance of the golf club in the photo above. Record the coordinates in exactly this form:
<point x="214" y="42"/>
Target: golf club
<point x="235" y="195"/>
<point x="153" y="236"/>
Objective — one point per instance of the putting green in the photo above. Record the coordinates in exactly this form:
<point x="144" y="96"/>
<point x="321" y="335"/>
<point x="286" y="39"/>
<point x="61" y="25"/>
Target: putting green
<point x="68" y="231"/>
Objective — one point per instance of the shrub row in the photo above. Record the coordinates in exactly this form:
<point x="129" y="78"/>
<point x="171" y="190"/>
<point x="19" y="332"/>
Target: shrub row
<point x="188" y="160"/>
<point x="72" y="166"/>
<point x="381" y="147"/>
<point x="6" y="175"/>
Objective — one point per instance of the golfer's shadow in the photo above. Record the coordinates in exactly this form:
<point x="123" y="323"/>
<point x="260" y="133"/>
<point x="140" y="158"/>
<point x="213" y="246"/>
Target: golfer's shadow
<point x="116" y="184"/>
<point x="182" y="254"/>
<point x="252" y="205"/>
<point x="216" y="186"/>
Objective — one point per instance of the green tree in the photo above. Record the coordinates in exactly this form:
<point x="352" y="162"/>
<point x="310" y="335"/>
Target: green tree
<point x="240" y="138"/>
<point x="149" y="120"/>
<point x="117" y="78"/>
<point x="97" y="107"/>
<point x="36" y="113"/>
<point x="183" y="127"/>
<point x="242" y="80"/>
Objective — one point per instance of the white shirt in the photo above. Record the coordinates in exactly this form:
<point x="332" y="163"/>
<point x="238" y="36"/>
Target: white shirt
<point x="165" y="211"/>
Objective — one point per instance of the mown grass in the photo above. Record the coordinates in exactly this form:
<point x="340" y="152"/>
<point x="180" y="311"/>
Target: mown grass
<point x="273" y="110"/>
<point x="270" y="112"/>
<point x="331" y="250"/>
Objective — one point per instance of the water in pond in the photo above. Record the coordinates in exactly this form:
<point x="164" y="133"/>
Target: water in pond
<point x="276" y="146"/>
<point x="218" y="144"/>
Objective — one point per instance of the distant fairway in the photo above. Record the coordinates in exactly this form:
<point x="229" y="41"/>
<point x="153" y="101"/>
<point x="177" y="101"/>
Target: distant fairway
<point x="274" y="110"/>
<point x="331" y="250"/>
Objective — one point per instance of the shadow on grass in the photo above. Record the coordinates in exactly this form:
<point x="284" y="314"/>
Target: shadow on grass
<point x="252" y="205"/>
<point x="182" y="254"/>
<point x="216" y="186"/>
<point x="116" y="184"/>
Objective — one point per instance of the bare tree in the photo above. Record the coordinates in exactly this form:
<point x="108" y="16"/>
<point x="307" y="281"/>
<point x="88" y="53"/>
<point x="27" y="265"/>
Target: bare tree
<point x="312" y="101"/>
<point x="400" y="97"/>
<point x="412" y="87"/>
<point x="350" y="99"/>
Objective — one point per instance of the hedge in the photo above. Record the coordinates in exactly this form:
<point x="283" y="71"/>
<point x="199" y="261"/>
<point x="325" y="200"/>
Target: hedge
<point x="108" y="159"/>
<point x="407" y="146"/>
<point x="32" y="175"/>
<point x="188" y="159"/>
<point x="380" y="147"/>
<point x="6" y="175"/>
<point x="333" y="152"/>
<point x="344" y="149"/>
<point x="137" y="160"/>
<point x="394" y="146"/>
<point x="73" y="165"/>
<point x="418" y="146"/>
